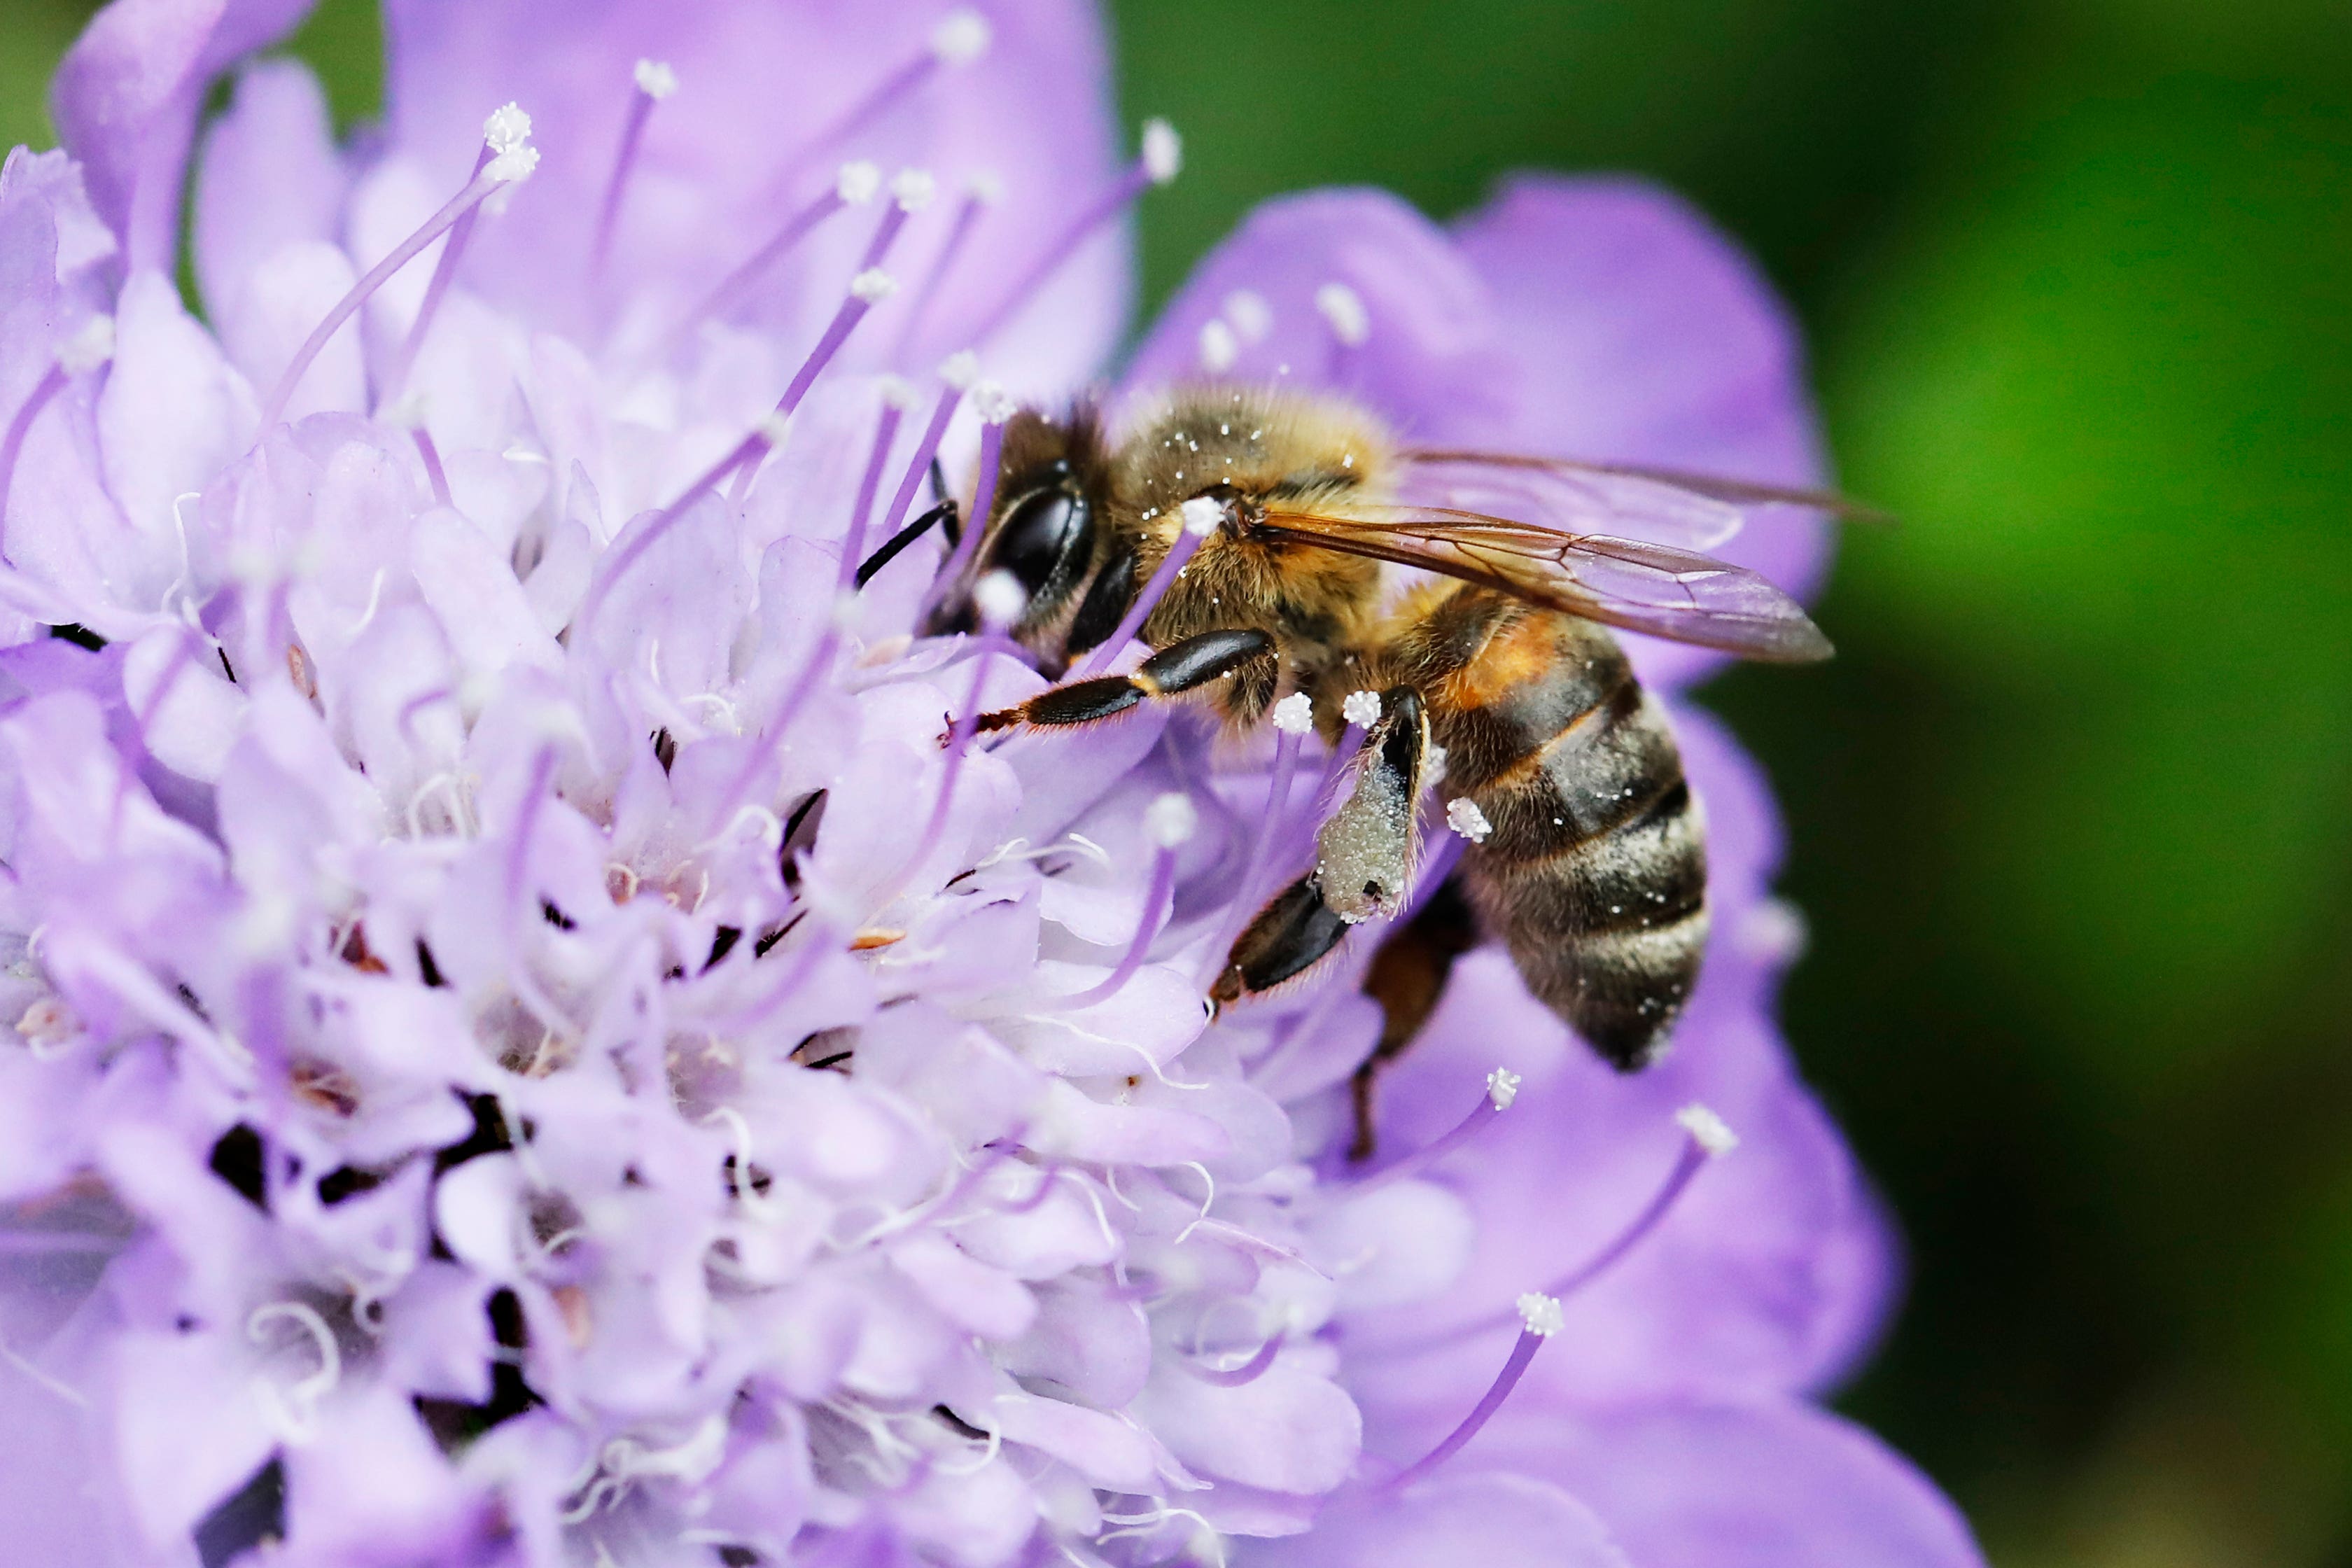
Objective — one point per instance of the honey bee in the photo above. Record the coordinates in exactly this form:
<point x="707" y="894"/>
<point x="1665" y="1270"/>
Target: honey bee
<point x="1491" y="648"/>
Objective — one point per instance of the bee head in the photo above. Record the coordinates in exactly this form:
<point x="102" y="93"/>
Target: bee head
<point x="1040" y="533"/>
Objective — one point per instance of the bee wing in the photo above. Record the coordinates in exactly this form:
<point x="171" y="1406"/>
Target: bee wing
<point x="1684" y="511"/>
<point x="1659" y="589"/>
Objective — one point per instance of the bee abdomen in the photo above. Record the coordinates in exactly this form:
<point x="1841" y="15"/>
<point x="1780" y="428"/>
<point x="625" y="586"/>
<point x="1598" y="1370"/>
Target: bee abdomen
<point x="1594" y="873"/>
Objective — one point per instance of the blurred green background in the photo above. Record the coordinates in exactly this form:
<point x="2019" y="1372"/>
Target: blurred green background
<point x="2072" y="813"/>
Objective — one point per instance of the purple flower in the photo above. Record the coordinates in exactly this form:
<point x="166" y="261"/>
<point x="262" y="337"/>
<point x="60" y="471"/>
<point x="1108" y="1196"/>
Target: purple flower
<point x="527" y="1046"/>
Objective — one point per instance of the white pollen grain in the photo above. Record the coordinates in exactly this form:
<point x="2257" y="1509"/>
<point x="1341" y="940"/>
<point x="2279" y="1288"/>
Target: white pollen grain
<point x="1463" y="816"/>
<point x="1219" y="348"/>
<point x="1169" y="820"/>
<point x="1202" y="514"/>
<point x="1344" y="308"/>
<point x="1707" y="1129"/>
<point x="1361" y="708"/>
<point x="655" y="79"/>
<point x="1541" y="1314"/>
<point x="858" y="183"/>
<point x="961" y="37"/>
<point x="1163" y="152"/>
<point x="913" y="189"/>
<point x="1294" y="714"/>
<point x="506" y="128"/>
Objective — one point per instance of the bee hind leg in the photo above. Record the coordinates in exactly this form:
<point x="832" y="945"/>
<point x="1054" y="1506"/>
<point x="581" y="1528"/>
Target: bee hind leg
<point x="1407" y="977"/>
<point x="1179" y="667"/>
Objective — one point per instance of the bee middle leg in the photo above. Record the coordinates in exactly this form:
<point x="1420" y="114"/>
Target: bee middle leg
<point x="1407" y="977"/>
<point x="1179" y="667"/>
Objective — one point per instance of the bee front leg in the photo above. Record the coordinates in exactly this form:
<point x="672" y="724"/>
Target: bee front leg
<point x="1175" y="670"/>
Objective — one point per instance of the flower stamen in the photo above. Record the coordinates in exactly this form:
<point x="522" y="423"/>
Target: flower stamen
<point x="654" y="80"/>
<point x="1200" y="517"/>
<point x="856" y="185"/>
<point x="1162" y="157"/>
<point x="1294" y="716"/>
<point x="981" y="191"/>
<point x="1168" y="822"/>
<point x="1539" y="1320"/>
<point x="507" y="158"/>
<point x="1502" y="1090"/>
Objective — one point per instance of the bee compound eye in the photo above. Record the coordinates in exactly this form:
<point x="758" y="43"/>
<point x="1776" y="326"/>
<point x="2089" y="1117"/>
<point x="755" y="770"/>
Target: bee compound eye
<point x="1040" y="533"/>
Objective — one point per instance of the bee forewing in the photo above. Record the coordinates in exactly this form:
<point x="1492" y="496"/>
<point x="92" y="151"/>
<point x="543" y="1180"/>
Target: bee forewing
<point x="1572" y="498"/>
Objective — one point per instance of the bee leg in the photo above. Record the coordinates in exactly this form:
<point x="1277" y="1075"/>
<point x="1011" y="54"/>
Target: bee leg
<point x="1364" y="849"/>
<point x="943" y="515"/>
<point x="1176" y="668"/>
<point x="1289" y="936"/>
<point x="1407" y="977"/>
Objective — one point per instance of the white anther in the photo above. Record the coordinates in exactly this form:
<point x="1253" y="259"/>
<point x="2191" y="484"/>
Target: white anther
<point x="960" y="370"/>
<point x="1463" y="816"/>
<point x="1252" y="316"/>
<point x="1201" y="515"/>
<point x="961" y="37"/>
<point x="1344" y="308"/>
<point x="897" y="392"/>
<point x="1294" y="714"/>
<point x="1707" y="1129"/>
<point x="873" y="286"/>
<point x="1361" y="708"/>
<point x="88" y="348"/>
<point x="984" y="186"/>
<point x="1168" y="821"/>
<point x="857" y="181"/>
<point x="510" y="169"/>
<point x="992" y="403"/>
<point x="1163" y="152"/>
<point x="405" y="412"/>
<point x="1000" y="599"/>
<point x="775" y="428"/>
<point x="1502" y="1088"/>
<point x="1219" y="347"/>
<point x="913" y="189"/>
<point x="1773" y="931"/>
<point x="1541" y="1314"/>
<point x="655" y="79"/>
<point x="506" y="130"/>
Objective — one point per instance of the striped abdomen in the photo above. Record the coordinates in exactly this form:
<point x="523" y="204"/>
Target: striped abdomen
<point x="1594" y="871"/>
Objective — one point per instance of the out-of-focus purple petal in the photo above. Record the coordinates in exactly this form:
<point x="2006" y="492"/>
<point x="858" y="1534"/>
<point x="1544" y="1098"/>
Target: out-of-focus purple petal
<point x="126" y="97"/>
<point x="1495" y="1521"/>
<point x="268" y="177"/>
<point x="1640" y="334"/>
<point x="729" y="157"/>
<point x="1703" y="1484"/>
<point x="1434" y="358"/>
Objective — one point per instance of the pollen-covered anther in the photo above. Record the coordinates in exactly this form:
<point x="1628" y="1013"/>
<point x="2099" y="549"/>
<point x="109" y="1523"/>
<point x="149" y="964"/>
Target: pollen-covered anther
<point x="655" y="79"/>
<point x="1541" y="1314"/>
<point x="1000" y="600"/>
<point x="1463" y="816"/>
<point x="91" y="345"/>
<point x="873" y="286"/>
<point x="993" y="403"/>
<point x="1343" y="308"/>
<point x="1163" y="152"/>
<point x="984" y="186"/>
<point x="506" y="128"/>
<point x="1170" y="819"/>
<point x="1201" y="515"/>
<point x="1502" y="1088"/>
<point x="960" y="370"/>
<point x="857" y="181"/>
<point x="1432" y="766"/>
<point x="1707" y="1129"/>
<point x="1294" y="714"/>
<point x="896" y="391"/>
<point x="1219" y="347"/>
<point x="775" y="427"/>
<point x="913" y="189"/>
<point x="1361" y="708"/>
<point x="962" y="38"/>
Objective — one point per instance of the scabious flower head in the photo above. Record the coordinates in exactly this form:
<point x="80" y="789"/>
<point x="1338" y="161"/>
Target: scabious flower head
<point x="540" y="1037"/>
